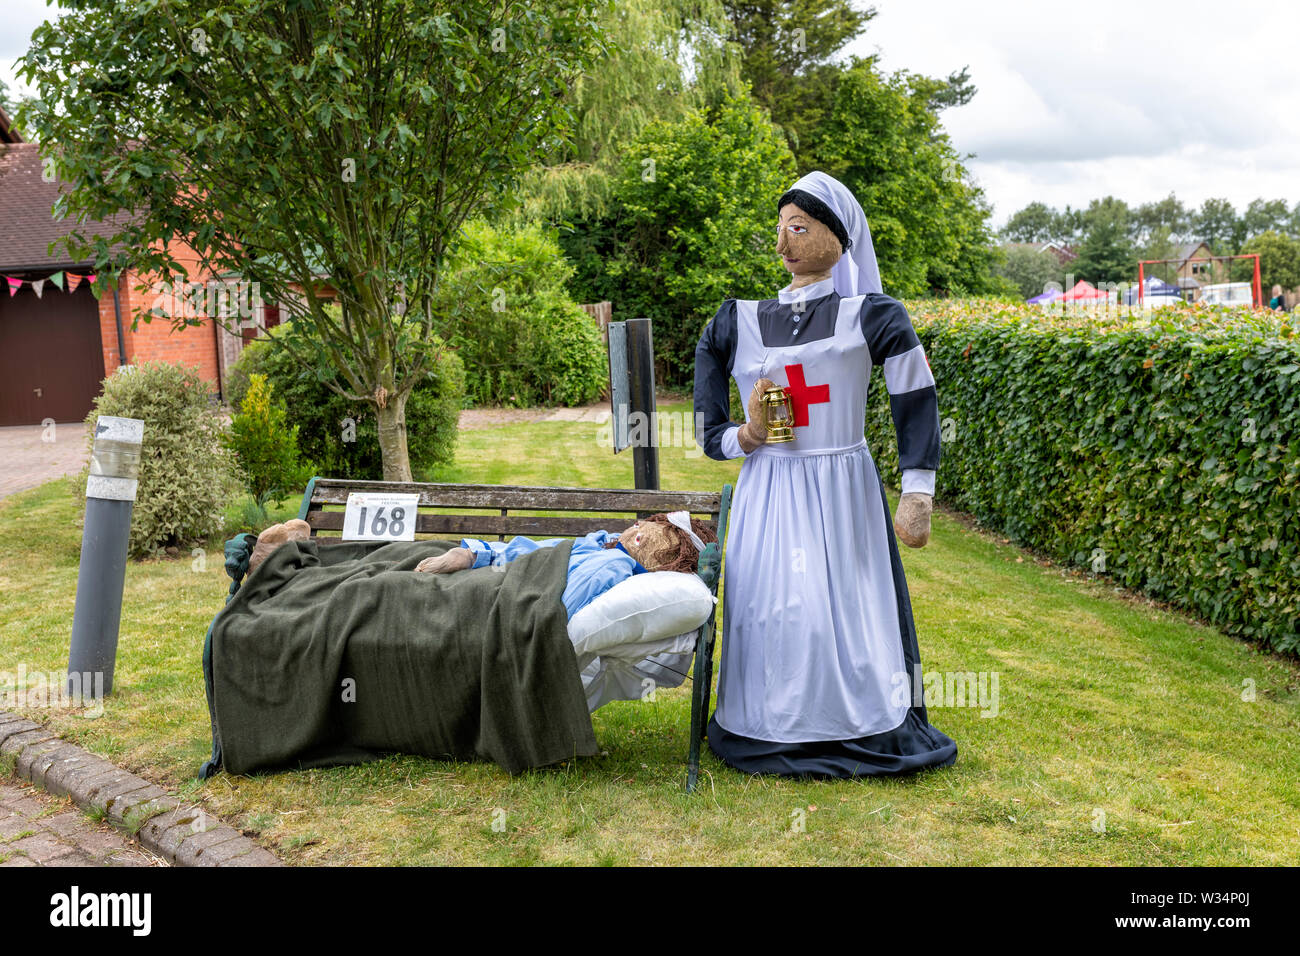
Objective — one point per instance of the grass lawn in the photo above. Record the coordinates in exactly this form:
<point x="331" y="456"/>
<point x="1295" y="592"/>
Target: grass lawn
<point x="1110" y="710"/>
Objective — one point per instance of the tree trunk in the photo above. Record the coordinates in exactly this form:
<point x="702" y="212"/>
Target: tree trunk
<point x="392" y="438"/>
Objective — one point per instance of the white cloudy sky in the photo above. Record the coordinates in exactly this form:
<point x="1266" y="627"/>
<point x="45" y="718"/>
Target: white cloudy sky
<point x="1132" y="98"/>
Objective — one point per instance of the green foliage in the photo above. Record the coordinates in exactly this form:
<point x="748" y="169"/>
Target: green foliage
<point x="1037" y="222"/>
<point x="665" y="58"/>
<point x="1279" y="261"/>
<point x="1030" y="269"/>
<point x="339" y="436"/>
<point x="503" y="305"/>
<point x="788" y="52"/>
<point x="1166" y="447"/>
<point x="361" y="140"/>
<point x="883" y="140"/>
<point x="186" y="474"/>
<point x="265" y="445"/>
<point x="695" y="225"/>
<point x="1107" y="253"/>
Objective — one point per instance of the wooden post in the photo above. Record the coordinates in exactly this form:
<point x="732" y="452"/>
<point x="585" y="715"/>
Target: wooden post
<point x="641" y="379"/>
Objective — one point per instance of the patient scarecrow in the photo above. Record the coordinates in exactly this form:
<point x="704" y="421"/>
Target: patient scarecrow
<point x="597" y="562"/>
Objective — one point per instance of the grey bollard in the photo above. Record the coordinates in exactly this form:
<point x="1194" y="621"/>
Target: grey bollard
<point x="110" y="496"/>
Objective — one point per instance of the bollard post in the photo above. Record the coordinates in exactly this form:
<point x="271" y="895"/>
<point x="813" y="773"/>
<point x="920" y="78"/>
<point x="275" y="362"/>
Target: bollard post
<point x="110" y="496"/>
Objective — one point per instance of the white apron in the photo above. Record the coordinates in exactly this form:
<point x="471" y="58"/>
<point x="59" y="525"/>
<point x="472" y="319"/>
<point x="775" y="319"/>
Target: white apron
<point x="811" y="637"/>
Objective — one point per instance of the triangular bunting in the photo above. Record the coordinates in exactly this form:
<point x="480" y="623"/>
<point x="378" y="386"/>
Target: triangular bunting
<point x="38" y="286"/>
<point x="91" y="278"/>
<point x="14" y="285"/>
<point x="74" y="280"/>
<point x="57" y="279"/>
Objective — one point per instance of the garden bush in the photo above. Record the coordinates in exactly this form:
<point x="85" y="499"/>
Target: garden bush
<point x="186" y="473"/>
<point x="503" y="305"/>
<point x="1161" y="451"/>
<point x="265" y="445"/>
<point x="340" y="437"/>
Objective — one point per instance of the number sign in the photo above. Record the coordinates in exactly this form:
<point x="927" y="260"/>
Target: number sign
<point x="379" y="517"/>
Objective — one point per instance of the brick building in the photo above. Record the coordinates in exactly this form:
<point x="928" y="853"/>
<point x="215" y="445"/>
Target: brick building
<point x="57" y="347"/>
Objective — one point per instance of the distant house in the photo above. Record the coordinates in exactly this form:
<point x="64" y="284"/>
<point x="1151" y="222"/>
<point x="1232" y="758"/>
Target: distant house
<point x="57" y="344"/>
<point x="1193" y="274"/>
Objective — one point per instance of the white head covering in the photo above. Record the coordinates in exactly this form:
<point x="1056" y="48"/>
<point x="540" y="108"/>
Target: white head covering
<point x="856" y="272"/>
<point x="683" y="520"/>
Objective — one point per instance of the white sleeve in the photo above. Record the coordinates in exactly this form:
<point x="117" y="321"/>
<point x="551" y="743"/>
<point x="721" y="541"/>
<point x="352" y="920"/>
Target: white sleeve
<point x="918" y="480"/>
<point x="731" y="444"/>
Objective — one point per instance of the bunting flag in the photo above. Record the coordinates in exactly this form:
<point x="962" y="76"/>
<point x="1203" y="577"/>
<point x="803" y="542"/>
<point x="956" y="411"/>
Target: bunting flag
<point x="59" y="279"/>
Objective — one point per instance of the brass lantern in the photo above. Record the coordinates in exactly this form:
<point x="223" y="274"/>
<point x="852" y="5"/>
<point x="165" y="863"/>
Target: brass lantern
<point x="780" y="416"/>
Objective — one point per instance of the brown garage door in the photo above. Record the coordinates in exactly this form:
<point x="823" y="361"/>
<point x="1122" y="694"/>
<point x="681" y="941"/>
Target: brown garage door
<point x="51" y="360"/>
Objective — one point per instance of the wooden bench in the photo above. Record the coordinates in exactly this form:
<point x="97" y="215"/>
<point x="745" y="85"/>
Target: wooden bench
<point x="483" y="510"/>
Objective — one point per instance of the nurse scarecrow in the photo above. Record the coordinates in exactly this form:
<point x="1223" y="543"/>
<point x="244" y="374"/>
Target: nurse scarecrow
<point x="819" y="650"/>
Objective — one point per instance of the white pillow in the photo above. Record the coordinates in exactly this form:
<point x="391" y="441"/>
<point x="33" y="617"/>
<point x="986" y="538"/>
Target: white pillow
<point x="644" y="609"/>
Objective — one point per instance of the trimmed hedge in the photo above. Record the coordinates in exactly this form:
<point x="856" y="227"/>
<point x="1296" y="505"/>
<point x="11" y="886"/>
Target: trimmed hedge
<point x="1159" y="451"/>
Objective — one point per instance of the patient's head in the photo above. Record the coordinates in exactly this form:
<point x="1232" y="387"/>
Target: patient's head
<point x="659" y="545"/>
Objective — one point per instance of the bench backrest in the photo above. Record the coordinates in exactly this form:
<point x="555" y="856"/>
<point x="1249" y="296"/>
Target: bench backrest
<point x="486" y="510"/>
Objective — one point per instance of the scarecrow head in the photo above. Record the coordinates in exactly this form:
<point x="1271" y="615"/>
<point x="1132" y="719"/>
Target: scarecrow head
<point x="660" y="543"/>
<point x="810" y="237"/>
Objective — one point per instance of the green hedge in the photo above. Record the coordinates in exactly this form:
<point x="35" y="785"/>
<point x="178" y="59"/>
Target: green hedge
<point x="1165" y="448"/>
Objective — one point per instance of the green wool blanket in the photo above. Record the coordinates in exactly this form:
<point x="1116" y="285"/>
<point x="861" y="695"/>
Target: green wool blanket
<point x="337" y="653"/>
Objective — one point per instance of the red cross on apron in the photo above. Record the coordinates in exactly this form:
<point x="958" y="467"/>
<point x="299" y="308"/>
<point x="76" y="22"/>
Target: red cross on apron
<point x="802" y="394"/>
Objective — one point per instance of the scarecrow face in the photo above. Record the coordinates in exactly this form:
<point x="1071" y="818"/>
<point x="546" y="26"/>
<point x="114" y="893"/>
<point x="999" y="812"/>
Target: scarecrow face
<point x="806" y="245"/>
<point x="653" y="545"/>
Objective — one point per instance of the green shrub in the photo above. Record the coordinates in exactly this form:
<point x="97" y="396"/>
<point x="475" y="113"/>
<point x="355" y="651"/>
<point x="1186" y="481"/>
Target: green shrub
<point x="1162" y="452"/>
<point x="694" y="223"/>
<point x="186" y="473"/>
<point x="341" y="437"/>
<point x="265" y="445"/>
<point x="503" y="305"/>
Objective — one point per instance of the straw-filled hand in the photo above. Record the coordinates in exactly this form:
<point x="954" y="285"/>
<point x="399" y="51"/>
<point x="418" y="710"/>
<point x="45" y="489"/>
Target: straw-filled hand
<point x="912" y="518"/>
<point x="754" y="432"/>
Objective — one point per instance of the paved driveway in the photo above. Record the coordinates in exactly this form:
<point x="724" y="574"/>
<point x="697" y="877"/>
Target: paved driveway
<point x="31" y="455"/>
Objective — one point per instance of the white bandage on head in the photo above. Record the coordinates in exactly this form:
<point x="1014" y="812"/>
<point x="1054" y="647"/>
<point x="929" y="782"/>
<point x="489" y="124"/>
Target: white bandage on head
<point x="683" y="520"/>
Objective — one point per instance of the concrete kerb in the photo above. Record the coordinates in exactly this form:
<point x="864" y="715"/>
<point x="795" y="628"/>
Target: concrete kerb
<point x="185" y="836"/>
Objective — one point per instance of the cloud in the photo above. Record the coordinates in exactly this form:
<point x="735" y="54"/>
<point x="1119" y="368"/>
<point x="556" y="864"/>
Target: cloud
<point x="1128" y="100"/>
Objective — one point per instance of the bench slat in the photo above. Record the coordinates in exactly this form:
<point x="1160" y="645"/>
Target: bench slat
<point x="477" y="526"/>
<point x="334" y="491"/>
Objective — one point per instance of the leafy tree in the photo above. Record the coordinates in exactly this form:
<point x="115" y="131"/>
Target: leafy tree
<point x="1107" y="253"/>
<point x="1162" y="221"/>
<point x="1279" y="261"/>
<point x="1030" y="270"/>
<point x="1217" y="224"/>
<point x="788" y="49"/>
<point x="1263" y="215"/>
<point x="1293" y="224"/>
<point x="1159" y="244"/>
<point x="1068" y="226"/>
<point x="286" y="142"/>
<point x="503" y="305"/>
<point x="696" y="224"/>
<point x="1035" y="223"/>
<point x="664" y="58"/>
<point x="928" y="222"/>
